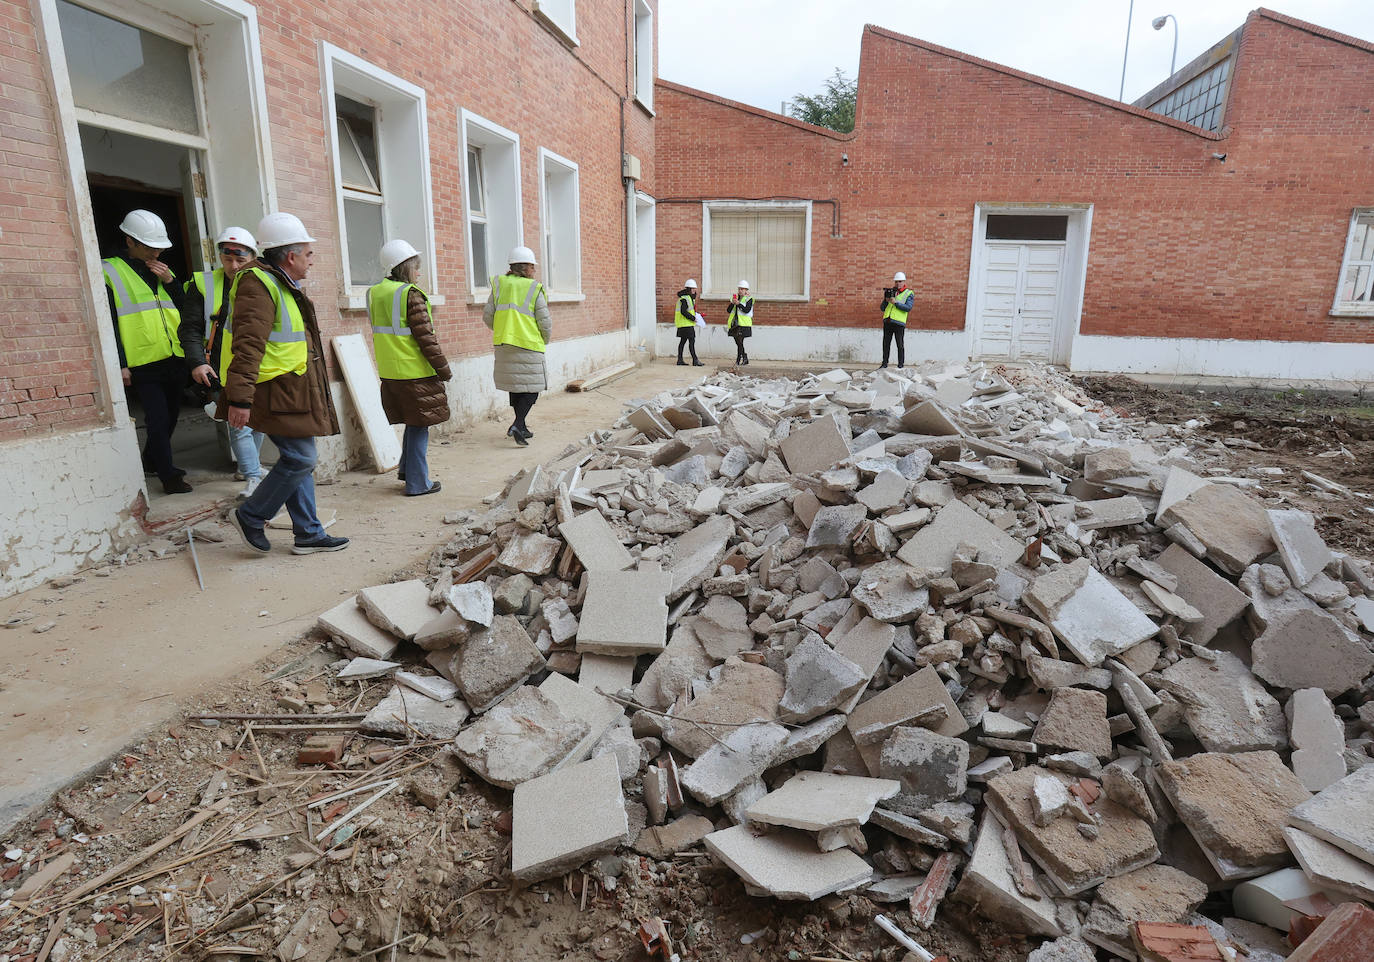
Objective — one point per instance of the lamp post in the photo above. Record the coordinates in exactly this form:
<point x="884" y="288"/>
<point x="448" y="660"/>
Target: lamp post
<point x="1158" y="24"/>
<point x="1129" y="14"/>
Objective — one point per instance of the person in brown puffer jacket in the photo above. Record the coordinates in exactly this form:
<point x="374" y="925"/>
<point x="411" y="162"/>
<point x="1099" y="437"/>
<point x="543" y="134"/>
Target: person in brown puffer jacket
<point x="410" y="361"/>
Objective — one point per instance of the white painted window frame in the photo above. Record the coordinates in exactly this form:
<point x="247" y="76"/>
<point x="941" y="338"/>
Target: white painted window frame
<point x="753" y="206"/>
<point x="355" y="295"/>
<point x="1340" y="308"/>
<point x="548" y="158"/>
<point x="479" y="287"/>
<point x="550" y="12"/>
<point x="644" y="55"/>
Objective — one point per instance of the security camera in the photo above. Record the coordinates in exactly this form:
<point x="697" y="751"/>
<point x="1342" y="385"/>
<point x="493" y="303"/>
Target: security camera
<point x="1219" y="156"/>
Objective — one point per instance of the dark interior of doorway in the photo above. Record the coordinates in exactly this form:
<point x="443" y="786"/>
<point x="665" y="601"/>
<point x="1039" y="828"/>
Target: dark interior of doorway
<point x="199" y="445"/>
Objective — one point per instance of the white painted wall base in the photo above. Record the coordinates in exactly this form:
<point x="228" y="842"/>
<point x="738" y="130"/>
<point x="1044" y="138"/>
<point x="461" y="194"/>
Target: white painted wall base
<point x="1277" y="360"/>
<point x="863" y="345"/>
<point x="68" y="502"/>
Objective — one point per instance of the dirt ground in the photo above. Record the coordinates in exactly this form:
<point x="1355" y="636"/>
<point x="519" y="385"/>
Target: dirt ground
<point x="1328" y="434"/>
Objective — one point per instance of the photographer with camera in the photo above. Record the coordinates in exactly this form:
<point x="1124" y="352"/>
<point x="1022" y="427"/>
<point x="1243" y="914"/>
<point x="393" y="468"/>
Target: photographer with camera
<point x="204" y="300"/>
<point x="898" y="301"/>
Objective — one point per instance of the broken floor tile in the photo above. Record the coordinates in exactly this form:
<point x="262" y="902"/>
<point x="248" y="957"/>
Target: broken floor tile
<point x="473" y="602"/>
<point x="722" y="627"/>
<point x="436" y="687"/>
<point x="1318" y="739"/>
<point x="1226" y="707"/>
<point x="1075" y="721"/>
<point x="585" y="705"/>
<point x="361" y="669"/>
<point x="696" y="555"/>
<point x="530" y="553"/>
<point x="929" y="767"/>
<point x="348" y="624"/>
<point x="609" y="674"/>
<point x="1331" y="867"/>
<point x="744" y="693"/>
<point x="1087" y="612"/>
<point x="523" y="737"/>
<point x="594" y="542"/>
<point x="1311" y="649"/>
<point x="565" y="818"/>
<point x="1154" y="893"/>
<point x="813" y="801"/>
<point x="786" y="864"/>
<point x="887" y="594"/>
<point x="987" y="885"/>
<point x="664" y="841"/>
<point x="624" y="613"/>
<point x="401" y="608"/>
<point x="933" y="546"/>
<point x="1303" y="551"/>
<point x="910" y="699"/>
<point x="1233" y="525"/>
<point x="405" y="713"/>
<point x="834" y="525"/>
<point x="744" y="753"/>
<point x="815" y="447"/>
<point x="494" y="662"/>
<point x="1341" y="814"/>
<point x="818" y="680"/>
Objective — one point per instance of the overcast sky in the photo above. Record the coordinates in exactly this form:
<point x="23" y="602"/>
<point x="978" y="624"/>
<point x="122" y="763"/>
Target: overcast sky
<point x="762" y="52"/>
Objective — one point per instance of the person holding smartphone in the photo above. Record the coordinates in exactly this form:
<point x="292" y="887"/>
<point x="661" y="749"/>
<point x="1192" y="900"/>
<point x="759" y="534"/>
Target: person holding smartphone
<point x="739" y="320"/>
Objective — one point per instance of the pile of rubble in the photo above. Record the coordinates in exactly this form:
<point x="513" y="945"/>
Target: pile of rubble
<point x="952" y="633"/>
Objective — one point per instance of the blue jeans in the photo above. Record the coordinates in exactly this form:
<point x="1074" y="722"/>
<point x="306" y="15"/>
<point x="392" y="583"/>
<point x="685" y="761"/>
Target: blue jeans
<point x="414" y="446"/>
<point x="291" y="482"/>
<point x="246" y="445"/>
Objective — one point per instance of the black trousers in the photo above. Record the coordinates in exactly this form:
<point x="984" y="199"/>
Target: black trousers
<point x="892" y="331"/>
<point x="687" y="337"/>
<point x="522" y="401"/>
<point x="160" y="396"/>
<point x="740" y="353"/>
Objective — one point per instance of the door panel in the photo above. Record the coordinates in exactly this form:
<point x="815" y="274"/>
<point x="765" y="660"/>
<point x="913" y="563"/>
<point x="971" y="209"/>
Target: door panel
<point x="1019" y="302"/>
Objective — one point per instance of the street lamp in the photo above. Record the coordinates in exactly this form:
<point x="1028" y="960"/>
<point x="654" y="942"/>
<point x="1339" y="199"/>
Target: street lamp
<point x="1158" y="24"/>
<point x="1130" y="12"/>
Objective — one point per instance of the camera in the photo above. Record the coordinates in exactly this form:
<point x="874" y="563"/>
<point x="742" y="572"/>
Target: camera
<point x="889" y="292"/>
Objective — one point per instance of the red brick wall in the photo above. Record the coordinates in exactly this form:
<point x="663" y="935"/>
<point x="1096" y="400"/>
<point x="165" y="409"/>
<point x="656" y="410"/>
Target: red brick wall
<point x="1182" y="245"/>
<point x="492" y="57"/>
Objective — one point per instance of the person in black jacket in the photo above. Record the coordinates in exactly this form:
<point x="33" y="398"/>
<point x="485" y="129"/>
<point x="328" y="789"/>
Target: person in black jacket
<point x="739" y="320"/>
<point x="685" y="320"/>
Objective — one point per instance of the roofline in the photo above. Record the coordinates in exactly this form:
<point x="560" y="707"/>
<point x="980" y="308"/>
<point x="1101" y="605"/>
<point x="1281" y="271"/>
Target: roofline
<point x="756" y="111"/>
<point x="1042" y="82"/>
<point x="1313" y="28"/>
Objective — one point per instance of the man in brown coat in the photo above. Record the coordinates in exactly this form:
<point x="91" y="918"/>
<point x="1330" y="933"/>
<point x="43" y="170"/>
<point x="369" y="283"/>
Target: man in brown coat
<point x="276" y="383"/>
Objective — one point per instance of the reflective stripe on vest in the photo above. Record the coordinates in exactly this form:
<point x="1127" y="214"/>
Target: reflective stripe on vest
<point x="398" y="356"/>
<point x="894" y="313"/>
<point x="514" y="322"/>
<point x="744" y="315"/>
<point x="211" y="287"/>
<point x="147" y="321"/>
<point x="682" y="320"/>
<point x="285" y="351"/>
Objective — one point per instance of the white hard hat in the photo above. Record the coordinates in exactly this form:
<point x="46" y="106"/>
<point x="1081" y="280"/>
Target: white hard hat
<point x="147" y="228"/>
<point x="899" y="276"/>
<point x="396" y="252"/>
<point x="691" y="282"/>
<point x="744" y="284"/>
<point x="521" y="255"/>
<point x="236" y="235"/>
<point x="281" y="229"/>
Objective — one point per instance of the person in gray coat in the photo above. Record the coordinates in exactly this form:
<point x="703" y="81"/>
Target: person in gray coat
<point x="517" y="313"/>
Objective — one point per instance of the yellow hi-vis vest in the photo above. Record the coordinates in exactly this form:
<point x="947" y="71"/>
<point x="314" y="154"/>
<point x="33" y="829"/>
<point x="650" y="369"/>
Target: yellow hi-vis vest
<point x="743" y="312"/>
<point x="893" y="313"/>
<point x="212" y="289"/>
<point x="685" y="320"/>
<point x="514" y="323"/>
<point x="147" y="321"/>
<point x="398" y="356"/>
<point x="286" y="351"/>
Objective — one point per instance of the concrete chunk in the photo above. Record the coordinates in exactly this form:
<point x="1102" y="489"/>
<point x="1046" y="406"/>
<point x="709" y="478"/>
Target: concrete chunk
<point x="813" y="801"/>
<point x="565" y="818"/>
<point x="1076" y="720"/>
<point x="834" y="525"/>
<point x="348" y="624"/>
<point x="888" y="490"/>
<point x="1226" y="707"/>
<point x="594" y="542"/>
<point x="1329" y="866"/>
<point x="929" y="419"/>
<point x="663" y="841"/>
<point x="910" y="699"/>
<point x="1233" y="525"/>
<point x="1310" y="649"/>
<point x="815" y="447"/>
<point x="744" y="693"/>
<point x="1318" y="739"/>
<point x="530" y="553"/>
<point x="581" y="704"/>
<point x="697" y="554"/>
<point x="404" y="713"/>
<point x="1155" y="893"/>
<point x="401" y="608"/>
<point x="929" y="767"/>
<point x="1342" y="815"/>
<point x="436" y="687"/>
<point x="955" y="524"/>
<point x="1235" y="807"/>
<point x="745" y="753"/>
<point x="624" y="613"/>
<point x="818" y="680"/>
<point x="522" y="738"/>
<point x="1087" y="612"/>
<point x="886" y="592"/>
<point x="1303" y="551"/>
<point x="494" y="662"/>
<point x="361" y="669"/>
<point x="786" y="864"/>
<point x="988" y="886"/>
<point x="473" y="602"/>
<point x="1108" y="513"/>
<point x="722" y="627"/>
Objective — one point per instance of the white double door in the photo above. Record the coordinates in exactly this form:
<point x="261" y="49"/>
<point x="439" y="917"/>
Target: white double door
<point x="1019" y="303"/>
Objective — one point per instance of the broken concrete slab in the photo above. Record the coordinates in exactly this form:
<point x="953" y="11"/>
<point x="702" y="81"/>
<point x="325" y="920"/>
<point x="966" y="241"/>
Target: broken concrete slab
<point x="445" y="630"/>
<point x="887" y="491"/>
<point x="1341" y="814"/>
<point x="436" y="687"/>
<point x="609" y="674"/>
<point x="1050" y="799"/>
<point x="987" y="885"/>
<point x="404" y="713"/>
<point x="585" y="705"/>
<point x="916" y="696"/>
<point x="815" y="447"/>
<point x="813" y="801"/>
<point x="624" y="613"/>
<point x="1105" y="513"/>
<point x="1178" y="484"/>
<point x="494" y="662"/>
<point x="1076" y="720"/>
<point x="312" y="939"/>
<point x="1235" y="807"/>
<point x="1154" y="893"/>
<point x="743" y="693"/>
<point x="1087" y="612"/>
<point x="473" y="602"/>
<point x="928" y="418"/>
<point x="565" y="818"/>
<point x="929" y="767"/>
<point x="530" y="553"/>
<point x="523" y="737"/>
<point x="348" y="624"/>
<point x="809" y="738"/>
<point x="1318" y="739"/>
<point x="1329" y="866"/>
<point x="664" y="841"/>
<point x="594" y="542"/>
<point x="744" y="753"/>
<point x="786" y="864"/>
<point x="401" y="608"/>
<point x="886" y="591"/>
<point x="957" y="524"/>
<point x="1064" y="950"/>
<point x="818" y="680"/>
<point x="1310" y="649"/>
<point x="834" y="525"/>
<point x="722" y="627"/>
<point x="866" y="645"/>
<point x="1303" y="551"/>
<point x="697" y="554"/>
<point x="1173" y="605"/>
<point x="1051" y="673"/>
<point x="1226" y="707"/>
<point x="361" y="669"/>
<point x="1233" y="525"/>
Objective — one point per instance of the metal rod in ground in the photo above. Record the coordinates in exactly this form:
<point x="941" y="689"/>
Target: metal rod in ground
<point x="191" y="540"/>
<point x="904" y="940"/>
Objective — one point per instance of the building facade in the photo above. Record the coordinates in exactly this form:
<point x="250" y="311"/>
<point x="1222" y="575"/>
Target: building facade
<point x="463" y="128"/>
<point x="1223" y="225"/>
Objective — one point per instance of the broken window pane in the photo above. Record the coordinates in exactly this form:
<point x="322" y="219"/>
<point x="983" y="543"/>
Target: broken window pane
<point x="363" y="221"/>
<point x="357" y="125"/>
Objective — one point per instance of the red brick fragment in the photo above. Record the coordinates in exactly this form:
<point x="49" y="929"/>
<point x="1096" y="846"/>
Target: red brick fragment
<point x="322" y="750"/>
<point x="1347" y="935"/>
<point x="1171" y="942"/>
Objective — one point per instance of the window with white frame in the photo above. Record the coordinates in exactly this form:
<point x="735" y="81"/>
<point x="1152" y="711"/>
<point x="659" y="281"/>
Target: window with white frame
<point x="491" y="184"/>
<point x="560" y="224"/>
<point x="767" y="244"/>
<point x="562" y="14"/>
<point x="380" y="144"/>
<point x="644" y="53"/>
<point x="1355" y="295"/>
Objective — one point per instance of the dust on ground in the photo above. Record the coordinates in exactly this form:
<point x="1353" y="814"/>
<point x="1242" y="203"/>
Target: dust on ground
<point x="1330" y="434"/>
